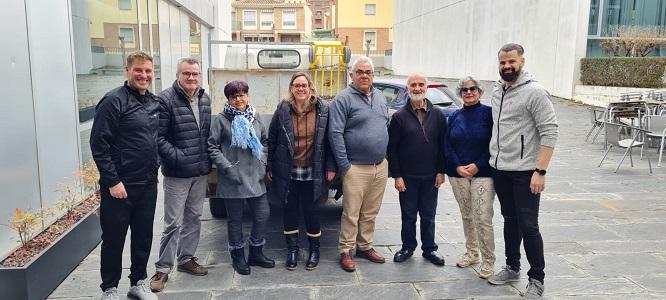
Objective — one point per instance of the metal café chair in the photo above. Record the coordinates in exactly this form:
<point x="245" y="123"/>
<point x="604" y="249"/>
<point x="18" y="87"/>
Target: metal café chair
<point x="655" y="127"/>
<point x="597" y="117"/>
<point x="615" y="137"/>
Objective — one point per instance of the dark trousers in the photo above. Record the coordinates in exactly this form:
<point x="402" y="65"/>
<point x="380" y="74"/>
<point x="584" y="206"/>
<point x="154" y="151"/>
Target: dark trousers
<point x="260" y="214"/>
<point x="116" y="216"/>
<point x="300" y="201"/>
<point x="420" y="197"/>
<point x="520" y="209"/>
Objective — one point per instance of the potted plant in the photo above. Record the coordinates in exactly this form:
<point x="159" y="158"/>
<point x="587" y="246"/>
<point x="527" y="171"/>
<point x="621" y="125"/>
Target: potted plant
<point x="42" y="262"/>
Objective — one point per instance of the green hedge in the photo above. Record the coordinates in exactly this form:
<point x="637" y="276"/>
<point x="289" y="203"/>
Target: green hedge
<point x="640" y="72"/>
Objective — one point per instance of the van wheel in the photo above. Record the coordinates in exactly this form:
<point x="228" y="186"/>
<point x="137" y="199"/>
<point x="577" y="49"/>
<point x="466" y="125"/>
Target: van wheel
<point x="217" y="208"/>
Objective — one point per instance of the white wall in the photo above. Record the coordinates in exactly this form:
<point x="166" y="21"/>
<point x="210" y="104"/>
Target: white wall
<point x="456" y="38"/>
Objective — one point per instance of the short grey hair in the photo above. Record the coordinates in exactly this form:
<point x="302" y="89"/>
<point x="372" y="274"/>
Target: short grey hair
<point x="187" y="60"/>
<point x="512" y="47"/>
<point x="461" y="84"/>
<point x="362" y="59"/>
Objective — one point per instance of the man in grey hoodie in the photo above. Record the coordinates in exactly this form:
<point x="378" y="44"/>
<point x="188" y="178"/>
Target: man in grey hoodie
<point x="524" y="135"/>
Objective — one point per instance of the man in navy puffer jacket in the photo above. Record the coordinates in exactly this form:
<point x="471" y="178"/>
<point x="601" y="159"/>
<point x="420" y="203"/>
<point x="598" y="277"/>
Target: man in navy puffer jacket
<point x="182" y="140"/>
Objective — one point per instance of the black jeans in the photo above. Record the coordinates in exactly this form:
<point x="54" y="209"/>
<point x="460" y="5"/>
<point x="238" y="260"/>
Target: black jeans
<point x="116" y="216"/>
<point x="300" y="200"/>
<point x="260" y="214"/>
<point x="420" y="197"/>
<point x="520" y="209"/>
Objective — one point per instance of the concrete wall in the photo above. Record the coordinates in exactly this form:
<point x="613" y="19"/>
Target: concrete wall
<point x="602" y="95"/>
<point x="455" y="38"/>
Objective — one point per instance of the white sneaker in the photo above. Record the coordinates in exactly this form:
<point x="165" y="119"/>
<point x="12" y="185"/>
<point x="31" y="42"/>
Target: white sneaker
<point x="141" y="291"/>
<point x="110" y="294"/>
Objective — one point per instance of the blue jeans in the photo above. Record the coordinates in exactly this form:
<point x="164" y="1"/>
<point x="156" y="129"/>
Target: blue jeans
<point x="520" y="209"/>
<point x="260" y="213"/>
<point x="419" y="198"/>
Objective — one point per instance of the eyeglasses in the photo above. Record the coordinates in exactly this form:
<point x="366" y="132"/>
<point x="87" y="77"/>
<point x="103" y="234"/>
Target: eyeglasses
<point x="188" y="74"/>
<point x="237" y="97"/>
<point x="300" y="86"/>
<point x="469" y="89"/>
<point x="361" y="72"/>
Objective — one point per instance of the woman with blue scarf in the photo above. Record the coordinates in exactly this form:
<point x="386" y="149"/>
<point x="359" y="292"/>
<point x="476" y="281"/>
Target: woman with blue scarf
<point x="237" y="146"/>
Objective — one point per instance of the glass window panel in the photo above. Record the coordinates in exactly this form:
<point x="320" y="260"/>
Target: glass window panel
<point x="372" y="37"/>
<point x="370" y="9"/>
<point x="289" y="19"/>
<point x="195" y="40"/>
<point x="278" y="59"/>
<point x="249" y="18"/>
<point x="267" y="20"/>
<point x="125" y="4"/>
<point x="593" y="25"/>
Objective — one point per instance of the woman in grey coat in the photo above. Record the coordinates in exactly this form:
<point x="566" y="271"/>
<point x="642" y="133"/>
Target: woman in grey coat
<point x="237" y="146"/>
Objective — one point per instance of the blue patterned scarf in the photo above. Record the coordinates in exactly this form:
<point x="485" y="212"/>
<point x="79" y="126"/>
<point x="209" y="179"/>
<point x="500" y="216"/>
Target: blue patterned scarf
<point x="242" y="133"/>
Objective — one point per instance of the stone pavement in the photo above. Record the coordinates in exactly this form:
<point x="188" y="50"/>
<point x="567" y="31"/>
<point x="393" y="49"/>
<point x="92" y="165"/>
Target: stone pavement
<point x="603" y="233"/>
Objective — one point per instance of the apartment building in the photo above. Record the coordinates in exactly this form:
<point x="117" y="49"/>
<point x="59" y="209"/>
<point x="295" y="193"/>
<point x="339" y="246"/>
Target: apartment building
<point x="271" y="20"/>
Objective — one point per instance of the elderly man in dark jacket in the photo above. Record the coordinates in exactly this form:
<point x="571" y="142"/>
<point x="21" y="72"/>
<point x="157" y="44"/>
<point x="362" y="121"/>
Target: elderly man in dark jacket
<point x="123" y="141"/>
<point x="182" y="140"/>
<point x="416" y="161"/>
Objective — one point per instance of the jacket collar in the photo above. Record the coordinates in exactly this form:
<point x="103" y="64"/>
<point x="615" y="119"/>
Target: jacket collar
<point x="181" y="91"/>
<point x="357" y="91"/>
<point x="524" y="78"/>
<point x="136" y="93"/>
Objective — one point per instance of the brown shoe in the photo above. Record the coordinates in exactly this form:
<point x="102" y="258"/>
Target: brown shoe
<point x="192" y="267"/>
<point x="347" y="262"/>
<point x="370" y="255"/>
<point x="158" y="281"/>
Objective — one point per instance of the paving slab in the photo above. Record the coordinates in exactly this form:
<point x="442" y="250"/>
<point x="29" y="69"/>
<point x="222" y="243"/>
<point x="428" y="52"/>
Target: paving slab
<point x="603" y="239"/>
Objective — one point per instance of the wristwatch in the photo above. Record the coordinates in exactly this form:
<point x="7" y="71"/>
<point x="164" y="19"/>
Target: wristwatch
<point x="540" y="171"/>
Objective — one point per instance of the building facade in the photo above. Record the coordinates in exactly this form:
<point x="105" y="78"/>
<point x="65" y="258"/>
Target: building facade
<point x="365" y="25"/>
<point x="323" y="14"/>
<point x="62" y="57"/>
<point x="459" y="38"/>
<point x="271" y="20"/>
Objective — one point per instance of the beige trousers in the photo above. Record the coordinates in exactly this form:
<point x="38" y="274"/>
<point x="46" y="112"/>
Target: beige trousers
<point x="475" y="198"/>
<point x="363" y="189"/>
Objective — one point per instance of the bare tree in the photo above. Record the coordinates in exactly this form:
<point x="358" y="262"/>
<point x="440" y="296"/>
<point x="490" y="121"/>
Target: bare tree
<point x="633" y="40"/>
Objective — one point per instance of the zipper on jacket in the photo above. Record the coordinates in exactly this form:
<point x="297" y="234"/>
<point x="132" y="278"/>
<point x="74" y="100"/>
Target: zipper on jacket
<point x="522" y="145"/>
<point x="499" y="116"/>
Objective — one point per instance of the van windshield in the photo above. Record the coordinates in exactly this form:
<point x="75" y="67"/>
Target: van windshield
<point x="278" y="59"/>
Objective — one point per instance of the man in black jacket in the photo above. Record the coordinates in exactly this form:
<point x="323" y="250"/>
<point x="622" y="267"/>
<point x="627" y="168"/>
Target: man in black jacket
<point x="416" y="161"/>
<point x="123" y="142"/>
<point x="183" y="148"/>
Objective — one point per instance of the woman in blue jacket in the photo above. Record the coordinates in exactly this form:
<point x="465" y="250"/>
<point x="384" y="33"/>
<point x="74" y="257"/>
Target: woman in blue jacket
<point x="467" y="155"/>
<point x="296" y="167"/>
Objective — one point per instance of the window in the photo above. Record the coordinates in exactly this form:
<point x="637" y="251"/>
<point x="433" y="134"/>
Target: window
<point x="370" y="9"/>
<point x="195" y="39"/>
<point x="318" y="21"/>
<point x="126" y="36"/>
<point x="249" y="19"/>
<point x="125" y="4"/>
<point x="278" y="59"/>
<point x="371" y="37"/>
<point x="267" y="20"/>
<point x="289" y="19"/>
<point x="318" y="14"/>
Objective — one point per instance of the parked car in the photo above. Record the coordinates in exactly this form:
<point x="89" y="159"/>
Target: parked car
<point x="395" y="91"/>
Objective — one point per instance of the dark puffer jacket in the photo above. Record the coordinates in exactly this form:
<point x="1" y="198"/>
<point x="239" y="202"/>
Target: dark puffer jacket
<point x="123" y="139"/>
<point x="281" y="150"/>
<point x="183" y="144"/>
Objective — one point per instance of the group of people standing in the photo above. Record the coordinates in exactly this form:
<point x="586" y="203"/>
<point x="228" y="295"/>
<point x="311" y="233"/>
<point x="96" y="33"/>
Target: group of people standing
<point x="503" y="149"/>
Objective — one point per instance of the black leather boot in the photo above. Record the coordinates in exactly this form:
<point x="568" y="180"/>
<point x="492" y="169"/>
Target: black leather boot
<point x="238" y="261"/>
<point x="292" y="251"/>
<point x="257" y="258"/>
<point x="313" y="258"/>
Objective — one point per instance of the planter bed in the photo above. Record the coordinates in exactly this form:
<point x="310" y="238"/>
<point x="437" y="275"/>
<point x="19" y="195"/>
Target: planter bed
<point x="44" y="273"/>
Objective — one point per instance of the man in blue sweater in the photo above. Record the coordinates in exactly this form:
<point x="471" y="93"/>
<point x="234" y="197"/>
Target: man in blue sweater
<point x="525" y="132"/>
<point x="357" y="131"/>
<point x="417" y="163"/>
